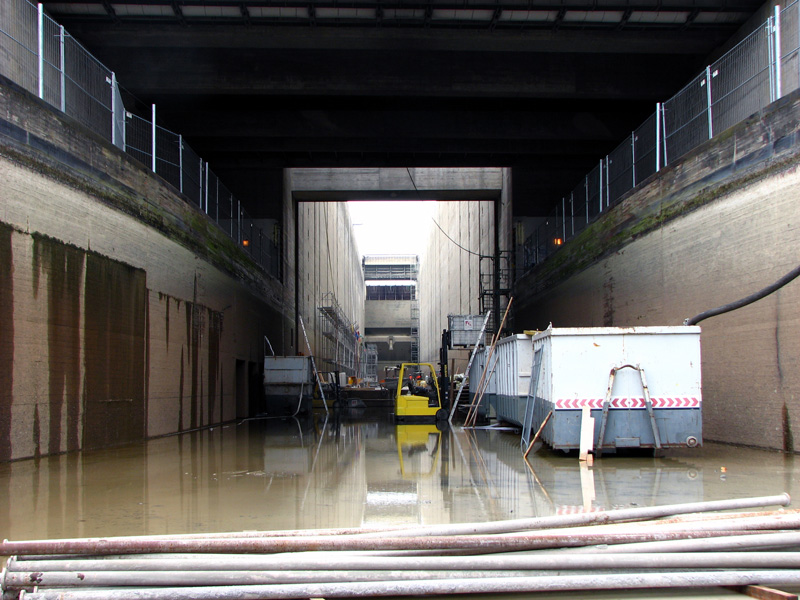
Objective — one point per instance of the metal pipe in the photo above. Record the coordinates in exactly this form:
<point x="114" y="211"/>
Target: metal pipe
<point x="658" y="136"/>
<point x="610" y="516"/>
<point x="18" y="580"/>
<point x="482" y="564"/>
<point x="62" y="69"/>
<point x="476" y="544"/>
<point x="709" y="103"/>
<point x="777" y="39"/>
<point x="456" y="586"/>
<point x="716" y="544"/>
<point x="40" y="50"/>
<point x="788" y="520"/>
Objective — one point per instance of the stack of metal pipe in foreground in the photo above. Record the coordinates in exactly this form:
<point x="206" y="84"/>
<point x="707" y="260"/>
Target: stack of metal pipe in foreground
<point x="676" y="546"/>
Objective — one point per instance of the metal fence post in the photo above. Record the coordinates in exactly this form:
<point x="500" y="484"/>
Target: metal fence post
<point x="114" y="108"/>
<point x="231" y="214"/>
<point x="608" y="185"/>
<point x="62" y="47"/>
<point x="708" y="99"/>
<point x="586" y="189"/>
<point x="238" y="222"/>
<point x="563" y="220"/>
<point x="664" y="137"/>
<point x="600" y="191"/>
<point x="777" y="39"/>
<point x="40" y="27"/>
<point x="180" y="160"/>
<point x="658" y="136"/>
<point x="154" y="139"/>
<point x="572" y="212"/>
<point x="633" y="159"/>
<point x="206" y="191"/>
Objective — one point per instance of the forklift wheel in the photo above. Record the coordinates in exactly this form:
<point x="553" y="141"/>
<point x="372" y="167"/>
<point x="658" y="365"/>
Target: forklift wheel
<point x="441" y="415"/>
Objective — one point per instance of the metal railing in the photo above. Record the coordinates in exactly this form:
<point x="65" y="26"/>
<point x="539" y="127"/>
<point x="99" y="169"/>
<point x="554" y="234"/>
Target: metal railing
<point x="40" y="56"/>
<point x="756" y="72"/>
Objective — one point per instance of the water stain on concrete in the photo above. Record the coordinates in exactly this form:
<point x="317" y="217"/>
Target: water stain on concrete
<point x="180" y="396"/>
<point x="194" y="337"/>
<point x="214" y="335"/>
<point x="37" y="432"/>
<point x="788" y="436"/>
<point x="115" y="315"/>
<point x="6" y="339"/>
<point x="61" y="266"/>
<point x="608" y="302"/>
<point x="166" y="328"/>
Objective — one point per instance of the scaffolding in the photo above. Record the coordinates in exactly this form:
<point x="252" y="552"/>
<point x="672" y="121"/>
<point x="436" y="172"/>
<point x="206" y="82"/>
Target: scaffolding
<point x="371" y="363"/>
<point x="414" y="331"/>
<point x="339" y="347"/>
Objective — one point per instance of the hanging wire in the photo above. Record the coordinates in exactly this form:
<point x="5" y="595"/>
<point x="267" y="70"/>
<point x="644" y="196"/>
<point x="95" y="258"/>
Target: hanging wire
<point x="411" y="177"/>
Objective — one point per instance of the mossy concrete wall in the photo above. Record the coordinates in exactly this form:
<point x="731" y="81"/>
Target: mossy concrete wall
<point x="714" y="227"/>
<point x="125" y="313"/>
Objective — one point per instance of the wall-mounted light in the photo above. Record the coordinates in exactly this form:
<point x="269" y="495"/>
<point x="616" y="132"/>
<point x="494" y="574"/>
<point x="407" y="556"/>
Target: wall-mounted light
<point x="391" y="343"/>
<point x="245" y="243"/>
<point x="558" y="241"/>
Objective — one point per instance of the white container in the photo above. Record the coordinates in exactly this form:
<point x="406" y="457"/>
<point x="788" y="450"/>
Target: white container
<point x="512" y="376"/>
<point x="576" y="363"/>
<point x="475" y="374"/>
<point x="286" y="370"/>
<point x="288" y="382"/>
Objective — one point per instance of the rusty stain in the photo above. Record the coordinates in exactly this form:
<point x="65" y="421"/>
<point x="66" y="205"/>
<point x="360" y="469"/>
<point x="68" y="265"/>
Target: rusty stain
<point x="6" y="340"/>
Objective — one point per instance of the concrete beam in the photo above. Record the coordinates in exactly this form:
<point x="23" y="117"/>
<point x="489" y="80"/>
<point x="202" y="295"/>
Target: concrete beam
<point x="314" y="184"/>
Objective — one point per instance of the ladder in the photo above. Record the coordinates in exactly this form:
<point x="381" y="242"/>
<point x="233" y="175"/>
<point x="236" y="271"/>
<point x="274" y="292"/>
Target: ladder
<point x="530" y="400"/>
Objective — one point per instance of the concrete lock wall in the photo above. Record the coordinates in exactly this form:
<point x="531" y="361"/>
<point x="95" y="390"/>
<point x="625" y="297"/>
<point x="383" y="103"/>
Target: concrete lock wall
<point x="717" y="226"/>
<point x="391" y="314"/>
<point x="322" y="265"/>
<point x="124" y="312"/>
<point x="449" y="275"/>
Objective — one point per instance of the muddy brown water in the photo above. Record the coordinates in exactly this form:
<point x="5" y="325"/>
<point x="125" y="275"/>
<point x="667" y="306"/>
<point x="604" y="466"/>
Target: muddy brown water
<point x="351" y="470"/>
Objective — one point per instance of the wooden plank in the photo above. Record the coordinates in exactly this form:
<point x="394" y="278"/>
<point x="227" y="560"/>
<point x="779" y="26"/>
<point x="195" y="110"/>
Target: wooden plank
<point x="538" y="433"/>
<point x="763" y="593"/>
<point x="586" y="434"/>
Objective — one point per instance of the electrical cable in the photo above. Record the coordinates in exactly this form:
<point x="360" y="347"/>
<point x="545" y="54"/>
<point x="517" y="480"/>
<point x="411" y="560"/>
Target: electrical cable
<point x="455" y="242"/>
<point x="746" y="300"/>
<point x="440" y="227"/>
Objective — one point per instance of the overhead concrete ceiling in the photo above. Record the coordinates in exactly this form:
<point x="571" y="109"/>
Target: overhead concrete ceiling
<point x="544" y="87"/>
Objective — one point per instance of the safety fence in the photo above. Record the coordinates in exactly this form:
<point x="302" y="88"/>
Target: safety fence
<point x="757" y="71"/>
<point x="40" y="56"/>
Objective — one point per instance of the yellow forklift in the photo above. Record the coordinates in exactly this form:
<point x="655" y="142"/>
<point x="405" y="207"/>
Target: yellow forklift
<point x="418" y="397"/>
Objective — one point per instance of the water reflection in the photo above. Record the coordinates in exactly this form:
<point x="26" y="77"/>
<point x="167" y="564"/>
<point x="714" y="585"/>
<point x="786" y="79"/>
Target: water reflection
<point x="351" y="469"/>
